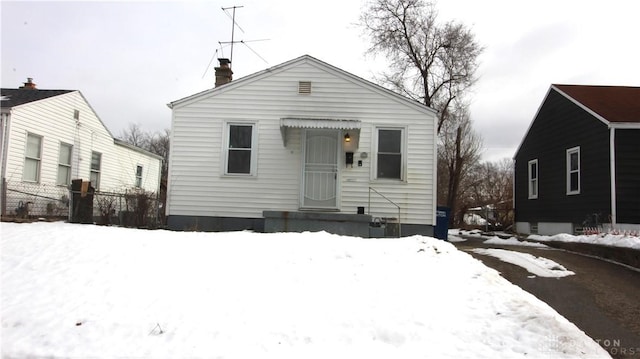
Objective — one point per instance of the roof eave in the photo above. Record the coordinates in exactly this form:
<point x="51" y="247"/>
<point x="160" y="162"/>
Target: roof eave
<point x="582" y="106"/>
<point x="284" y="65"/>
<point x="532" y="121"/>
<point x="136" y="149"/>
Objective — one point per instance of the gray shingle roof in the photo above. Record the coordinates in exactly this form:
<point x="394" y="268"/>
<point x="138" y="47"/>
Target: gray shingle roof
<point x="15" y="97"/>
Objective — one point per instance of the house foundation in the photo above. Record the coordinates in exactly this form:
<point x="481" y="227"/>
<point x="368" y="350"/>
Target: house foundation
<point x="356" y="225"/>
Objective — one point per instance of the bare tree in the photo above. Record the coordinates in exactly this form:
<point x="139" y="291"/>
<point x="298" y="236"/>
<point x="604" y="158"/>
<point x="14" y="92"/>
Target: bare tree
<point x="491" y="184"/>
<point x="458" y="152"/>
<point x="431" y="63"/>
<point x="135" y="136"/>
<point x="158" y="143"/>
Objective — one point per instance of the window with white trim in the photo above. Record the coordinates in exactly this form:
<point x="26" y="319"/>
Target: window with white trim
<point x="573" y="170"/>
<point x="64" y="164"/>
<point x="32" y="158"/>
<point x="239" y="149"/>
<point x="96" y="159"/>
<point x="389" y="157"/>
<point x="533" y="179"/>
<point x="139" y="176"/>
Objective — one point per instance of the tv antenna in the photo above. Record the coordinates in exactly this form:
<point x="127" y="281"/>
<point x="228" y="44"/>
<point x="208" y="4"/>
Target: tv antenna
<point x="233" y="26"/>
<point x="233" y="41"/>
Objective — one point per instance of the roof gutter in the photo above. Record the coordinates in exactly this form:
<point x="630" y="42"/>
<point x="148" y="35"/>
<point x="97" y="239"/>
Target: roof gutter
<point x="625" y="125"/>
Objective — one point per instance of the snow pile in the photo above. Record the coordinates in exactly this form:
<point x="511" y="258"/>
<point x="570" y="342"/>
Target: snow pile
<point x="454" y="236"/>
<point x="614" y="240"/>
<point x="540" y="266"/>
<point x="103" y="292"/>
<point x="512" y="241"/>
<point x="466" y="232"/>
<point x="474" y="219"/>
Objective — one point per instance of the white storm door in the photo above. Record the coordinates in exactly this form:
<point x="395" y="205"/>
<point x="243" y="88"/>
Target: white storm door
<point x="320" y="175"/>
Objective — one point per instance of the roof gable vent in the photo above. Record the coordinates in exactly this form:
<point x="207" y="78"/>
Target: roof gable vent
<point x="304" y="87"/>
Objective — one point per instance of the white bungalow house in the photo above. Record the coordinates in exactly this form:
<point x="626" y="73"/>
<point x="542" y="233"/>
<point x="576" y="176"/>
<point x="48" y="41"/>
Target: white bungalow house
<point x="301" y="146"/>
<point x="49" y="138"/>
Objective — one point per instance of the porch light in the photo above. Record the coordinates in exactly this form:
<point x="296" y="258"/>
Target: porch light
<point x="347" y="138"/>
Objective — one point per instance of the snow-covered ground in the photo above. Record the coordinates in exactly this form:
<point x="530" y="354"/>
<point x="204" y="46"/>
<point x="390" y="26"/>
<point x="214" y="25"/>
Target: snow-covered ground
<point x="104" y="292"/>
<point x="540" y="266"/>
<point x="512" y="241"/>
<point x="605" y="239"/>
<point x="615" y="240"/>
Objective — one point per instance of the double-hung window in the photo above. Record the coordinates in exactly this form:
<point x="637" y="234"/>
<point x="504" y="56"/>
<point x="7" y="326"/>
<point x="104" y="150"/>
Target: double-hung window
<point x="239" y="149"/>
<point x="96" y="159"/>
<point x="138" y="176"/>
<point x="64" y="164"/>
<point x="389" y="161"/>
<point x="573" y="170"/>
<point x="32" y="158"/>
<point x="533" y="179"/>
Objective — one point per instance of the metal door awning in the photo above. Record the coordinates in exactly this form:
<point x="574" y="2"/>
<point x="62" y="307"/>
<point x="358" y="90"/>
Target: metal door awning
<point x="336" y="124"/>
<point x="328" y="123"/>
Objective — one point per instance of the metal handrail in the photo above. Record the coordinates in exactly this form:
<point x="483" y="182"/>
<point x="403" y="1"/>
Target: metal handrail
<point x="388" y="200"/>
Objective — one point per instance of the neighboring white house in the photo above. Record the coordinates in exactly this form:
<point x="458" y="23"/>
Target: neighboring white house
<point x="49" y="138"/>
<point x="301" y="146"/>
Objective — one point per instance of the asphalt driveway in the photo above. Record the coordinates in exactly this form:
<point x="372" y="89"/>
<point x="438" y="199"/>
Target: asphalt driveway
<point x="602" y="298"/>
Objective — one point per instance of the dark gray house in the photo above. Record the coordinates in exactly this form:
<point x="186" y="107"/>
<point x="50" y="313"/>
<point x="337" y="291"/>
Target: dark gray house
<point x="579" y="161"/>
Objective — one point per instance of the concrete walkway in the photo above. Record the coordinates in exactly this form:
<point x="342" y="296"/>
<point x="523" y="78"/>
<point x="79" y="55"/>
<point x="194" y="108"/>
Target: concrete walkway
<point x="602" y="298"/>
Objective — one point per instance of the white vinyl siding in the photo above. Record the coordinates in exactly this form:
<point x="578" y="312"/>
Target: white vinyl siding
<point x="533" y="179"/>
<point x="32" y="158"/>
<point x="198" y="135"/>
<point x="76" y="124"/>
<point x="64" y="164"/>
<point x="128" y="161"/>
<point x="573" y="171"/>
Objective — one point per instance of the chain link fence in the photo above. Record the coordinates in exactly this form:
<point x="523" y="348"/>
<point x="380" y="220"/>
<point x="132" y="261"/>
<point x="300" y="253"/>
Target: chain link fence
<point x="33" y="200"/>
<point x="130" y="208"/>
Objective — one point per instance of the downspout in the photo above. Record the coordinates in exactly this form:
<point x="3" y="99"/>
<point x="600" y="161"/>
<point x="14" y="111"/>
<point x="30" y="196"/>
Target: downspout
<point x="4" y="124"/>
<point x="434" y="178"/>
<point x="158" y="190"/>
<point x="159" y="178"/>
<point x="77" y="151"/>
<point x="612" y="170"/>
<point x="4" y="147"/>
<point x="513" y="190"/>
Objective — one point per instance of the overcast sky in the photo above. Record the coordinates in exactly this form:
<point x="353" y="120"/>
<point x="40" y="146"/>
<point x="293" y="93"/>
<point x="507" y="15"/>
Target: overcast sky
<point x="130" y="59"/>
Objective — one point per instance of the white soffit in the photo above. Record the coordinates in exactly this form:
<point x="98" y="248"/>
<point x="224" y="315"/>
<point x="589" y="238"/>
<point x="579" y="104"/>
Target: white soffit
<point x="320" y="123"/>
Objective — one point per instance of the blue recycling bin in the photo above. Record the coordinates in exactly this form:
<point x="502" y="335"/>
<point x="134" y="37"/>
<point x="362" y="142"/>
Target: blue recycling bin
<point x="442" y="222"/>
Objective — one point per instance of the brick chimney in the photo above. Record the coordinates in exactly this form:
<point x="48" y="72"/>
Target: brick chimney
<point x="30" y="85"/>
<point x="223" y="72"/>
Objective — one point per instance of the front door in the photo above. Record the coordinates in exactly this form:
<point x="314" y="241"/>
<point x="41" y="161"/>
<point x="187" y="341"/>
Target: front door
<point x="320" y="169"/>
